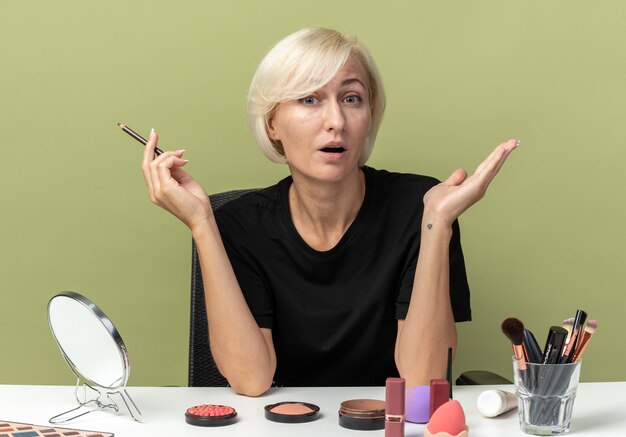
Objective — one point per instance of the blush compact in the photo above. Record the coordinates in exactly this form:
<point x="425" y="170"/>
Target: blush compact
<point x="291" y="412"/>
<point x="362" y="414"/>
<point x="210" y="415"/>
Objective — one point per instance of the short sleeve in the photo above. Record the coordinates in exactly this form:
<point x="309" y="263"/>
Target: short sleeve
<point x="237" y="239"/>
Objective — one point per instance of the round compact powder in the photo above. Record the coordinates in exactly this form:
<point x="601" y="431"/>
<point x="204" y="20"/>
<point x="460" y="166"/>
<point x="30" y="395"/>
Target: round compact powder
<point x="291" y="412"/>
<point x="362" y="414"/>
<point x="210" y="415"/>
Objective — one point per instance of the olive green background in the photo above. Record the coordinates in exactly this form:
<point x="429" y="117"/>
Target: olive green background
<point x="460" y="76"/>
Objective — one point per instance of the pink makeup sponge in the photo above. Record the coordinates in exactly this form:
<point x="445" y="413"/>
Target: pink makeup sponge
<point x="447" y="421"/>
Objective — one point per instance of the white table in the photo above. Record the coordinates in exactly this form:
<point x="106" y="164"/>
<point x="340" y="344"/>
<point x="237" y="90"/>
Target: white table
<point x="599" y="410"/>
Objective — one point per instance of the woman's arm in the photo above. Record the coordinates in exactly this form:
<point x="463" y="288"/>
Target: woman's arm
<point x="243" y="352"/>
<point x="428" y="329"/>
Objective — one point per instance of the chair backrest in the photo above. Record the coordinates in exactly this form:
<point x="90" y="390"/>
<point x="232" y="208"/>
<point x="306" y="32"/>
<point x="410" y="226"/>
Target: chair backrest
<point x="202" y="369"/>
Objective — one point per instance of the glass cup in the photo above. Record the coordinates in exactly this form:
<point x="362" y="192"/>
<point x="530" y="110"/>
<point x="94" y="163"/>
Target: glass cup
<point x="545" y="396"/>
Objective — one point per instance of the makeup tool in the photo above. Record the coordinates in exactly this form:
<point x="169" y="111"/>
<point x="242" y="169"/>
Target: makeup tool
<point x="449" y="372"/>
<point x="568" y="324"/>
<point x="513" y="329"/>
<point x="546" y="389"/>
<point x="590" y="329"/>
<point x="16" y="429"/>
<point x="579" y="321"/>
<point x="394" y="407"/>
<point x="138" y="137"/>
<point x="362" y="414"/>
<point x="447" y="421"/>
<point x="532" y="347"/>
<point x="291" y="412"/>
<point x="417" y="401"/>
<point x="554" y="345"/>
<point x="210" y="415"/>
<point x="492" y="403"/>
<point x="439" y="394"/>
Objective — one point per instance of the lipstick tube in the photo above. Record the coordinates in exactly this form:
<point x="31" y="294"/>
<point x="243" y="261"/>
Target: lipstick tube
<point x="439" y="394"/>
<point x="394" y="407"/>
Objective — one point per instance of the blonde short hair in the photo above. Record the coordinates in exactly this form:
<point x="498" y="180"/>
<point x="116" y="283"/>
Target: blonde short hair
<point x="300" y="64"/>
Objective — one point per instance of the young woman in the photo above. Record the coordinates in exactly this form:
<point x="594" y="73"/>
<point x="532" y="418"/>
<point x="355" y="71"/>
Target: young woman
<point x="340" y="274"/>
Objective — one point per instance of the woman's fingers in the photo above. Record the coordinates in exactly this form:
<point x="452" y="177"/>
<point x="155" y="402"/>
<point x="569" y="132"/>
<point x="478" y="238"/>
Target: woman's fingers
<point x="489" y="168"/>
<point x="170" y="187"/>
<point x="148" y="157"/>
<point x="456" y="178"/>
<point x="166" y="167"/>
<point x="157" y="170"/>
<point x="160" y="170"/>
<point x="510" y="146"/>
<point x="496" y="156"/>
<point x="459" y="192"/>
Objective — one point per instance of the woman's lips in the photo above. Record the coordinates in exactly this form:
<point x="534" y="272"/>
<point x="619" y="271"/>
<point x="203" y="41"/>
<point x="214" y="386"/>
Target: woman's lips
<point x="333" y="149"/>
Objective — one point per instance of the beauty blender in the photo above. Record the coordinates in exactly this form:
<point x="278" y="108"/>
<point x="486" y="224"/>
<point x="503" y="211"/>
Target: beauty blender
<point x="447" y="421"/>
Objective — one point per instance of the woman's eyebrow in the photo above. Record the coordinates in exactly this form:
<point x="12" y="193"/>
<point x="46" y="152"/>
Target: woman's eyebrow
<point x="352" y="80"/>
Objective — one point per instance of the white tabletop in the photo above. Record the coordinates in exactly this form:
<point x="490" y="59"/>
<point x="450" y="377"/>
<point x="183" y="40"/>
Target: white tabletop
<point x="599" y="410"/>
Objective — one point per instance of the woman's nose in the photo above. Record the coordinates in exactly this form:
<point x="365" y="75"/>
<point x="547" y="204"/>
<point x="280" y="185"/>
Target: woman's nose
<point x="334" y="117"/>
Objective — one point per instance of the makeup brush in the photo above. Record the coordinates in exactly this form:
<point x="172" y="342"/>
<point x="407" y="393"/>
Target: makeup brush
<point x="568" y="324"/>
<point x="579" y="321"/>
<point x="532" y="347"/>
<point x="513" y="329"/>
<point x="590" y="329"/>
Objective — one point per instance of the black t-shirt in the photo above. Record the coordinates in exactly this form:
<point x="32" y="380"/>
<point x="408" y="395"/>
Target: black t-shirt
<point x="333" y="314"/>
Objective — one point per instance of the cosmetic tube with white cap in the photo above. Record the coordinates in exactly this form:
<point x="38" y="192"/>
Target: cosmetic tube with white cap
<point x="492" y="403"/>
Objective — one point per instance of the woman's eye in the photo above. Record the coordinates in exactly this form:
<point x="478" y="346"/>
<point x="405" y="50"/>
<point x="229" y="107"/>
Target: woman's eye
<point x="309" y="100"/>
<point x="353" y="100"/>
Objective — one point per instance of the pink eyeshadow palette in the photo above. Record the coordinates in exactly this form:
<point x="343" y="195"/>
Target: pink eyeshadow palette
<point x="15" y="429"/>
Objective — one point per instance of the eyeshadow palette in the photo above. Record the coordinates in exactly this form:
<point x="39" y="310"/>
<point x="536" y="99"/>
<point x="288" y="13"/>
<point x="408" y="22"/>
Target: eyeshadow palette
<point x="14" y="429"/>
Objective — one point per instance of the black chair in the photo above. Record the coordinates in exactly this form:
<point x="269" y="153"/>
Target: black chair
<point x="202" y="369"/>
<point x="481" y="377"/>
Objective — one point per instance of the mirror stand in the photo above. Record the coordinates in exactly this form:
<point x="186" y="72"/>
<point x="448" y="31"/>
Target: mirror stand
<point x="95" y="404"/>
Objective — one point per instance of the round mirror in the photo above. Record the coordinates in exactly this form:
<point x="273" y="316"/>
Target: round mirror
<point x="88" y="341"/>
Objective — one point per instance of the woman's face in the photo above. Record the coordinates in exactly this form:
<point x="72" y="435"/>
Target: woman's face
<point x="323" y="133"/>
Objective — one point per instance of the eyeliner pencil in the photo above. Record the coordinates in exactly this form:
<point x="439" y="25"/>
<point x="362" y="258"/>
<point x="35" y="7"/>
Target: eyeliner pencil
<point x="449" y="371"/>
<point x="138" y="137"/>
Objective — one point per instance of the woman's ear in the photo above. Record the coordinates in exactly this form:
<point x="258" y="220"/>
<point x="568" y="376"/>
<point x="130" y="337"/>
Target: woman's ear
<point x="271" y="129"/>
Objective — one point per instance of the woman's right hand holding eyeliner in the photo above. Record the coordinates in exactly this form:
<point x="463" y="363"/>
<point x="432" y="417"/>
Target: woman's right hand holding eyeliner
<point x="172" y="188"/>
